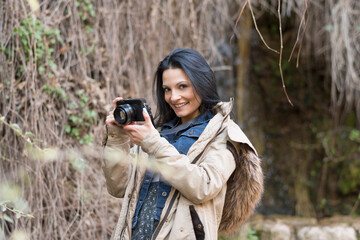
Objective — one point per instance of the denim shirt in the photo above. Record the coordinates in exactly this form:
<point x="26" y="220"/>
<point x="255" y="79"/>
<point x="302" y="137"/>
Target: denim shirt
<point x="182" y="138"/>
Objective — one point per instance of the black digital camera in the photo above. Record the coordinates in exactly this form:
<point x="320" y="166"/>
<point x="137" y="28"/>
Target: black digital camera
<point x="131" y="110"/>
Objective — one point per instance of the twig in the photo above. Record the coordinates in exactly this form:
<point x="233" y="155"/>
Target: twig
<point x="298" y="34"/>
<point x="257" y="29"/>
<point x="262" y="38"/>
<point x="237" y="21"/>
<point x="17" y="131"/>
<point x="301" y="43"/>
<point x="355" y="205"/>
<point x="280" y="57"/>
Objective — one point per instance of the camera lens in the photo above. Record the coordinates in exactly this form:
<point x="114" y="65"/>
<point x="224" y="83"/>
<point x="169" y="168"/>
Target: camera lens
<point x="123" y="114"/>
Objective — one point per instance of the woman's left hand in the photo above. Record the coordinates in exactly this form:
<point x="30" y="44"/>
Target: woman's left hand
<point x="138" y="132"/>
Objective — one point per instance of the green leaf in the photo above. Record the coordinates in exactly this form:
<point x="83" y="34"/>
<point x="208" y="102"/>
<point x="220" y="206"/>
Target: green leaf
<point x="38" y="36"/>
<point x="57" y="32"/>
<point x="67" y="128"/>
<point x="78" y="163"/>
<point x="40" y="53"/>
<point x="2" y="119"/>
<point x="52" y="64"/>
<point x="37" y="140"/>
<point x="354" y="135"/>
<point x="329" y="28"/>
<point x="7" y="218"/>
<point x="29" y="135"/>
<point x="50" y="154"/>
<point x="21" y="205"/>
<point x="41" y="69"/>
<point x="88" y="139"/>
<point x="73" y="105"/>
<point x="24" y="41"/>
<point x="92" y="12"/>
<point x="75" y="132"/>
<point x="28" y="146"/>
<point x="15" y="127"/>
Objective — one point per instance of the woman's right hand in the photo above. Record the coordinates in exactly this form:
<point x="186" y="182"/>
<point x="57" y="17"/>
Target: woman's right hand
<point x="110" y="120"/>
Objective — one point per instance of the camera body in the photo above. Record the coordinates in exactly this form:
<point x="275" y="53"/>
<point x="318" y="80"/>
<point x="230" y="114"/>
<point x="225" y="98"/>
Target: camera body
<point x="131" y="110"/>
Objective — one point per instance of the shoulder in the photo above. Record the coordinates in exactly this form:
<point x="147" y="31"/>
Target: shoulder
<point x="237" y="136"/>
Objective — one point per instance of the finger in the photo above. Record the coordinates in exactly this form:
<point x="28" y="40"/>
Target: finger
<point x="130" y="136"/>
<point x="110" y="121"/>
<point x="110" y="114"/>
<point x="116" y="100"/>
<point x="108" y="118"/>
<point x="146" y="117"/>
<point x="129" y="127"/>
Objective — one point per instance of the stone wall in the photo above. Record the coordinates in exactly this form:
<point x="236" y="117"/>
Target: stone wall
<point x="277" y="227"/>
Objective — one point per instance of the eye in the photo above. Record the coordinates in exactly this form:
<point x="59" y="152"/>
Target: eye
<point x="166" y="89"/>
<point x="182" y="86"/>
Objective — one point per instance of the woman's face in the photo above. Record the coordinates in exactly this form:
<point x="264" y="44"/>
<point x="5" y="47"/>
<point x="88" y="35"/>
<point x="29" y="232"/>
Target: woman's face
<point x="180" y="94"/>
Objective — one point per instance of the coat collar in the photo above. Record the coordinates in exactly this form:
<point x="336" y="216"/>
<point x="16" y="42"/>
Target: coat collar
<point x="218" y="123"/>
<point x="224" y="108"/>
<point x="234" y="131"/>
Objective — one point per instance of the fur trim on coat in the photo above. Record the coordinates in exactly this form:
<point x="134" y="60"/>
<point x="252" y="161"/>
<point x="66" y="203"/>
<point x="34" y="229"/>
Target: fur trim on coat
<point x="244" y="188"/>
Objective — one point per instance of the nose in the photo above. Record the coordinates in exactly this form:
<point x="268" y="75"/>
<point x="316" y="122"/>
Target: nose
<point x="175" y="96"/>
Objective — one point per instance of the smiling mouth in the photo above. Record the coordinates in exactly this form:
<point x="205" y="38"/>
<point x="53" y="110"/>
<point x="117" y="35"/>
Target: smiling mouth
<point x="180" y="105"/>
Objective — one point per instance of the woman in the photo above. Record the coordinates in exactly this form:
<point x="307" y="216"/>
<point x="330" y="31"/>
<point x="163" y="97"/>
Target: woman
<point x="200" y="160"/>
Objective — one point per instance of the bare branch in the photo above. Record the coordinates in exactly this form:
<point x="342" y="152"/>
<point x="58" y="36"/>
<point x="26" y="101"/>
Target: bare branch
<point x="237" y="21"/>
<point x="303" y="20"/>
<point x="281" y="51"/>
<point x="257" y="29"/>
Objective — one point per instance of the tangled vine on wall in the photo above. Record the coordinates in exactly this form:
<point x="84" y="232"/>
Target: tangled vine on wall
<point x="62" y="65"/>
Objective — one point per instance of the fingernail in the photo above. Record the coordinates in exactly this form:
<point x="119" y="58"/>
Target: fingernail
<point x="145" y="110"/>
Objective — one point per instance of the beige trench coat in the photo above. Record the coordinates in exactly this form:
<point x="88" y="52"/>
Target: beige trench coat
<point x="194" y="209"/>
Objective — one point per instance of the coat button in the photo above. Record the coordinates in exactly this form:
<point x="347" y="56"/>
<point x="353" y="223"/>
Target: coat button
<point x="129" y="196"/>
<point x="181" y="229"/>
<point x="199" y="226"/>
<point x="164" y="194"/>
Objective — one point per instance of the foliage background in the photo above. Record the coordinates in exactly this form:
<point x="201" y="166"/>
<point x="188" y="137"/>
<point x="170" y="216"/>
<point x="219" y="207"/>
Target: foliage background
<point x="62" y="64"/>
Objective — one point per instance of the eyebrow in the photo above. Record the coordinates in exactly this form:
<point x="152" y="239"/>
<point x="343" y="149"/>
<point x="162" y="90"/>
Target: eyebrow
<point x="184" y="81"/>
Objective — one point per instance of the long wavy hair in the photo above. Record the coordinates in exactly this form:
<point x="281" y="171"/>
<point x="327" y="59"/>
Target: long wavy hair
<point x="200" y="75"/>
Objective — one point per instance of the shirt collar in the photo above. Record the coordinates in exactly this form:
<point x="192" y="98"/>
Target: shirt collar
<point x="202" y="118"/>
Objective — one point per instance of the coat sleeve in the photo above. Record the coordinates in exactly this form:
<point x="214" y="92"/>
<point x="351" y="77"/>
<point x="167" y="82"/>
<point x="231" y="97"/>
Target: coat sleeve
<point x="198" y="183"/>
<point x="116" y="162"/>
